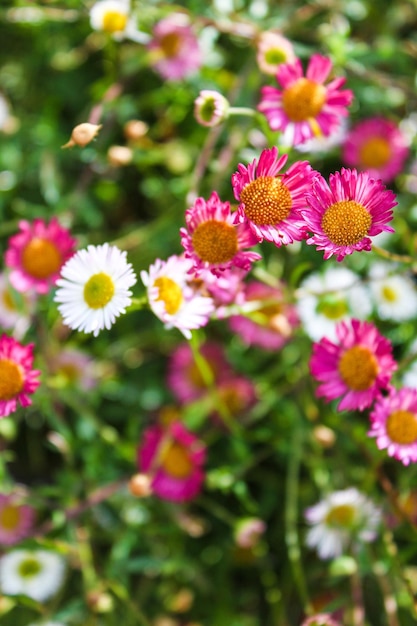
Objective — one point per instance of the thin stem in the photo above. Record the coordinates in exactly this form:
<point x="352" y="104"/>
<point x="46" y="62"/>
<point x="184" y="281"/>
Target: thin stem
<point x="246" y="111"/>
<point x="401" y="258"/>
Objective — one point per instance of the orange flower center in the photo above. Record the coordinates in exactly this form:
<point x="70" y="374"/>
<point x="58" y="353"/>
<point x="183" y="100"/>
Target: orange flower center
<point x="9" y="517"/>
<point x="41" y="258"/>
<point x="303" y="100"/>
<point x="176" y="461"/>
<point x="374" y="152"/>
<point x="215" y="242"/>
<point x="11" y="379"/>
<point x="346" y="222"/>
<point x="114" y="22"/>
<point x="170" y="45"/>
<point x="402" y="427"/>
<point x="342" y="515"/>
<point x="358" y="368"/>
<point x="267" y="201"/>
<point x="170" y="293"/>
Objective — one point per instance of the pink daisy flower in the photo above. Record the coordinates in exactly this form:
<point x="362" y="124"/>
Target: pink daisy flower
<point x="174" y="49"/>
<point x="17" y="378"/>
<point x="16" y="519"/>
<point x="378" y="146"/>
<point x="394" y="424"/>
<point x="269" y="321"/>
<point x="224" y="289"/>
<point x="270" y="203"/>
<point x="211" y="239"/>
<point x="344" y="214"/>
<point x="356" y="368"/>
<point x="174" y="459"/>
<point x="305" y="107"/>
<point x="237" y="395"/>
<point x="37" y="253"/>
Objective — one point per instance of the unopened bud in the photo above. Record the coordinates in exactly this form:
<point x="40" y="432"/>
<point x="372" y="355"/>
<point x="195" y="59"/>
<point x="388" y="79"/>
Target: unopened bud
<point x="182" y="601"/>
<point x="119" y="156"/>
<point x="135" y="129"/>
<point x="324" y="436"/>
<point x="140" y="485"/>
<point x="210" y="108"/>
<point x="82" y="135"/>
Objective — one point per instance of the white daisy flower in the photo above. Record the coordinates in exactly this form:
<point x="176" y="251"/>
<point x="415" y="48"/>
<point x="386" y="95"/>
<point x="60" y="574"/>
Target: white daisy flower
<point x="111" y="16"/>
<point x="324" y="300"/>
<point x="94" y="288"/>
<point x="340" y="518"/>
<point x="394" y="295"/>
<point x="35" y="573"/>
<point x="172" y="298"/>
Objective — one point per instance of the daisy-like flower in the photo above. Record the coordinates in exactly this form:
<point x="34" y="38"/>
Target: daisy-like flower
<point x="94" y="288"/>
<point x="36" y="254"/>
<point x="17" y="378"/>
<point x="269" y="203"/>
<point x="394" y="424"/>
<point x="16" y="518"/>
<point x="272" y="50"/>
<point x="74" y="368"/>
<point x="378" y="146"/>
<point x="268" y="321"/>
<point x="328" y="298"/>
<point x="344" y="214"/>
<point x="236" y="394"/>
<point x="111" y="16"/>
<point x="174" y="458"/>
<point x="37" y="574"/>
<point x="321" y="619"/>
<point x="305" y="106"/>
<point x="211" y="239"/>
<point x="355" y="368"/>
<point x="224" y="289"/>
<point x="210" y="108"/>
<point x="174" y="49"/>
<point x="249" y="531"/>
<point x="340" y="519"/>
<point x="172" y="298"/>
<point x="394" y="295"/>
<point x="15" y="308"/>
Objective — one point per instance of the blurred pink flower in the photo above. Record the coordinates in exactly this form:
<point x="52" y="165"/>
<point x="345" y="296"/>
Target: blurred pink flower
<point x="75" y="368"/>
<point x="17" y="378"/>
<point x="249" y="531"/>
<point x="16" y="518"/>
<point x="236" y="394"/>
<point x="174" y="49"/>
<point x="272" y="50"/>
<point x="321" y="619"/>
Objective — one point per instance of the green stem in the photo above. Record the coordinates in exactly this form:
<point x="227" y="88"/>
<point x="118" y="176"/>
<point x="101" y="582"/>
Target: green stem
<point x="246" y="111"/>
<point x="401" y="258"/>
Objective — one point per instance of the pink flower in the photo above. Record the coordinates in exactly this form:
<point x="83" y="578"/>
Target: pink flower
<point x="269" y="320"/>
<point x="356" y="368"/>
<point x="270" y="203"/>
<point x="378" y="146"/>
<point x="249" y="531"/>
<point x="344" y="214"/>
<point x="305" y="107"/>
<point x="174" y="49"/>
<point x="37" y="253"/>
<point x="16" y="518"/>
<point x="224" y="289"/>
<point x="235" y="395"/>
<point x="17" y="379"/>
<point x="74" y="368"/>
<point x="394" y="424"/>
<point x="212" y="241"/>
<point x="174" y="459"/>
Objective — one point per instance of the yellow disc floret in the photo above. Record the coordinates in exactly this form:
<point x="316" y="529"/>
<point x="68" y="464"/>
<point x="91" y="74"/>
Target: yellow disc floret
<point x="41" y="258"/>
<point x="170" y="293"/>
<point x="11" y="379"/>
<point x="176" y="461"/>
<point x="215" y="242"/>
<point x="346" y="222"/>
<point x="375" y="152"/>
<point x="114" y="22"/>
<point x="98" y="290"/>
<point x="402" y="427"/>
<point x="267" y="201"/>
<point x="358" y="368"/>
<point x="304" y="100"/>
<point x="341" y="516"/>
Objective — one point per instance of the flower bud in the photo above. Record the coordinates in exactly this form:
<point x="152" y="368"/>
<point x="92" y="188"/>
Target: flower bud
<point x="83" y="134"/>
<point x="210" y="108"/>
<point x="140" y="485"/>
<point x="119" y="156"/>
<point x="134" y="130"/>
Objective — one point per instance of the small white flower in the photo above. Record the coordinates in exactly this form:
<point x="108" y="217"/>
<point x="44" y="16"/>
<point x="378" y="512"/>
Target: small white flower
<point x="340" y="518"/>
<point x="172" y="298"/>
<point x="326" y="299"/>
<point x="394" y="295"/>
<point x="94" y="288"/>
<point x="35" y="573"/>
<point x="111" y="16"/>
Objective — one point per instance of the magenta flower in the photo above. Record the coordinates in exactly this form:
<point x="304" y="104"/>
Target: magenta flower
<point x="344" y="214"/>
<point x="17" y="378"/>
<point x="378" y="146"/>
<point x="236" y="395"/>
<point x="16" y="518"/>
<point x="174" y="459"/>
<point x="269" y="203"/>
<point x="394" y="424"/>
<point x="305" y="107"/>
<point x="37" y="253"/>
<point x="356" y="368"/>
<point x="212" y="241"/>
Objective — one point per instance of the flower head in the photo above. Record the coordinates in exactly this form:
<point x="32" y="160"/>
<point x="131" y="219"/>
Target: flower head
<point x="73" y="368"/>
<point x="270" y="203"/>
<point x="211" y="239"/>
<point x="174" y="49"/>
<point x="249" y="531"/>
<point x="16" y="518"/>
<point x="272" y="51"/>
<point x="305" y="106"/>
<point x="339" y="519"/>
<point x="378" y="146"/>
<point x="394" y="295"/>
<point x="174" y="458"/>
<point x="36" y="254"/>
<point x="210" y="108"/>
<point x="37" y="574"/>
<point x="17" y="378"/>
<point x="94" y="288"/>
<point x="172" y="298"/>
<point x="344" y="214"/>
<point x="110" y="16"/>
<point x="355" y="368"/>
<point x="394" y="424"/>
<point x="321" y="619"/>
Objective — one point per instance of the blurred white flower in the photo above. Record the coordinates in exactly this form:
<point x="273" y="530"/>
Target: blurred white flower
<point x="37" y="574"/>
<point x="394" y="295"/>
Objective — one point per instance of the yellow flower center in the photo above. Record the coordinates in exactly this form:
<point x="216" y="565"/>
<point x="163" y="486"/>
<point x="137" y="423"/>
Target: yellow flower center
<point x="358" y="368"/>
<point x="9" y="517"/>
<point x="303" y="100"/>
<point x="275" y="56"/>
<point x="11" y="379"/>
<point x="70" y="372"/>
<point x="389" y="294"/>
<point x="170" y="45"/>
<point x="170" y="293"/>
<point x="332" y="309"/>
<point x="41" y="258"/>
<point x="215" y="242"/>
<point x="402" y="427"/>
<point x="346" y="222"/>
<point x="374" y="152"/>
<point x="175" y="460"/>
<point x="29" y="567"/>
<point x="98" y="290"/>
<point x="267" y="201"/>
<point x="342" y="515"/>
<point x="232" y="399"/>
<point x="8" y="301"/>
<point x="114" y="22"/>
